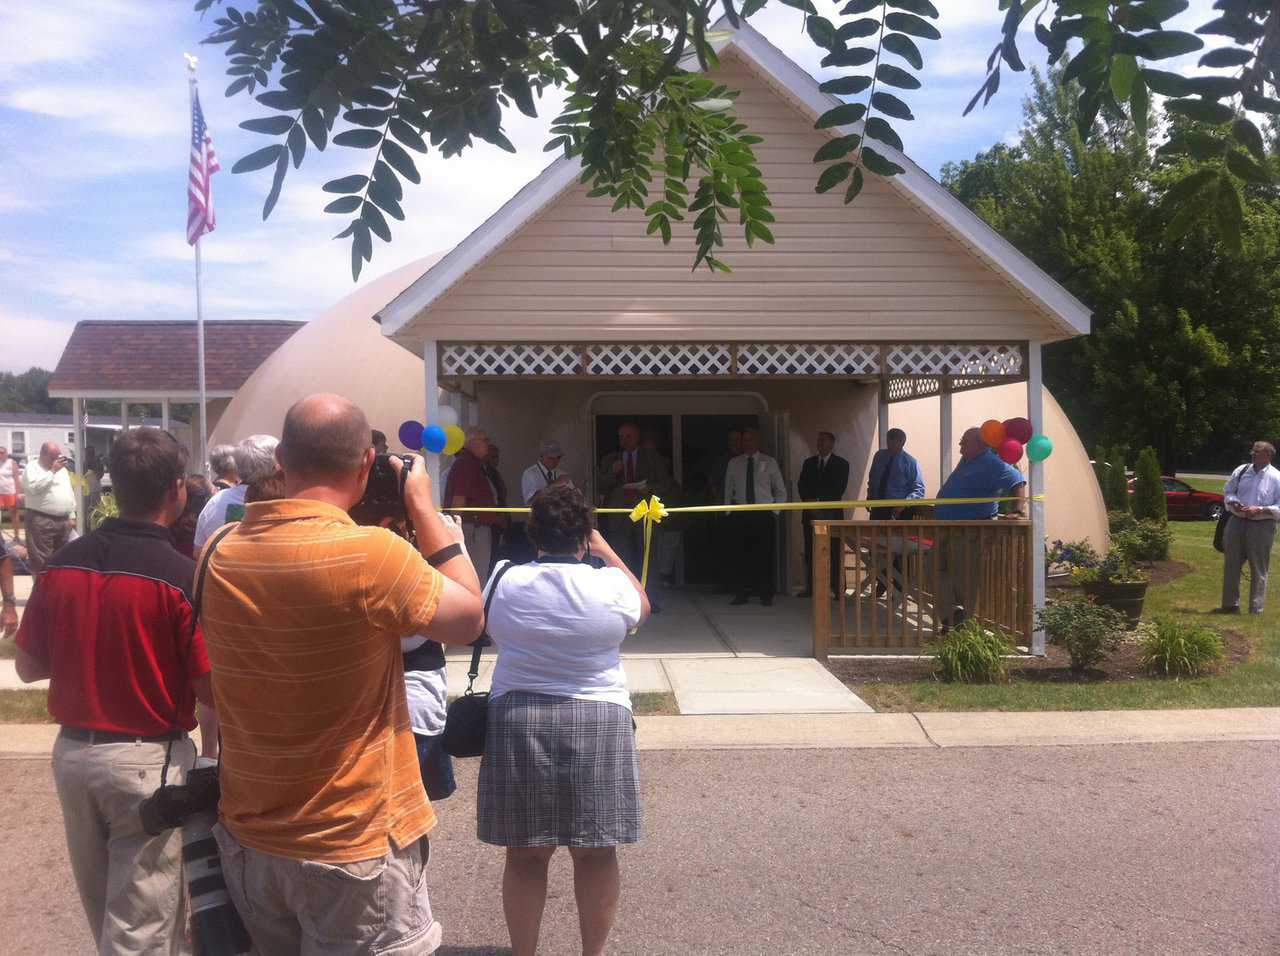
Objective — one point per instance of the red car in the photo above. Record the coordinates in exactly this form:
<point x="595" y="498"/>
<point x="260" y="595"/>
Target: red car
<point x="1189" y="503"/>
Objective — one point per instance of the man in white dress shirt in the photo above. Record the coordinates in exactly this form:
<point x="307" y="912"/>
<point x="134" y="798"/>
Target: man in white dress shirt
<point x="49" y="505"/>
<point x="544" y="472"/>
<point x="753" y="478"/>
<point x="1253" y="497"/>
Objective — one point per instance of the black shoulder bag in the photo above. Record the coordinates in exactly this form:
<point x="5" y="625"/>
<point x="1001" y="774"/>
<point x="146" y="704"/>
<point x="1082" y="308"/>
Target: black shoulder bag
<point x="466" y="719"/>
<point x="1220" y="531"/>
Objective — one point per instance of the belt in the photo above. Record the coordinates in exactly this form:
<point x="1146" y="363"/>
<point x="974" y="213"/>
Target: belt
<point x="45" y="514"/>
<point x="114" y="737"/>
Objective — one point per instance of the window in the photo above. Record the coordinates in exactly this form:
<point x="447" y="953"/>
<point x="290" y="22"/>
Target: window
<point x="18" y="443"/>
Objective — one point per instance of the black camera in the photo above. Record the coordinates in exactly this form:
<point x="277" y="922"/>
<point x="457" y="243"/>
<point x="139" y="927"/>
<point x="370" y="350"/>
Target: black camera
<point x="384" y="494"/>
<point x="173" y="804"/>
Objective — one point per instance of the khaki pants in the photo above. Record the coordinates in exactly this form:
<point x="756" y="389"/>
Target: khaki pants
<point x="371" y="907"/>
<point x="130" y="882"/>
<point x="959" y="574"/>
<point x="45" y="535"/>
<point x="1245" y="540"/>
<point x="479" y="541"/>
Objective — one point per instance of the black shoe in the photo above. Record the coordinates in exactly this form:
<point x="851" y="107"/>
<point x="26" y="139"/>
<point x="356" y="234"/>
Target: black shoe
<point x="740" y="599"/>
<point x="767" y="601"/>
<point x="880" y="589"/>
<point x="1226" y="610"/>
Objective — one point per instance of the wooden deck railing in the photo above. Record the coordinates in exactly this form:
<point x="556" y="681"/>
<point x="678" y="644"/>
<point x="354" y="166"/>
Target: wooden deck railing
<point x="893" y="570"/>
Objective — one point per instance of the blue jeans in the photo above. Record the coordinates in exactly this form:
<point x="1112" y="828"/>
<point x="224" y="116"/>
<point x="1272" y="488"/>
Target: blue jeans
<point x="436" y="767"/>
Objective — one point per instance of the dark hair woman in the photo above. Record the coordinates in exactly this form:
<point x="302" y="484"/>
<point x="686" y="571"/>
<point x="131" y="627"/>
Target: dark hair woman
<point x="183" y="532"/>
<point x="559" y="765"/>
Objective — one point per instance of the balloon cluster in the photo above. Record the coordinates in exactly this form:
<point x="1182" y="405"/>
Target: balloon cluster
<point x="446" y="439"/>
<point x="1013" y="436"/>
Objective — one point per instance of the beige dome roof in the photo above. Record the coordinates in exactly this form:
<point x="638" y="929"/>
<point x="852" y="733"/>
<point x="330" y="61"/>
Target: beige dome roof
<point x="341" y="351"/>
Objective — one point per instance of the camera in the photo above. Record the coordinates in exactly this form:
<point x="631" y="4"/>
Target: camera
<point x="173" y="804"/>
<point x="384" y="494"/>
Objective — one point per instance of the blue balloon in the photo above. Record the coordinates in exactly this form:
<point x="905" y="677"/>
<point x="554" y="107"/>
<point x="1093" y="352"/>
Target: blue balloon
<point x="434" y="439"/>
<point x="410" y="434"/>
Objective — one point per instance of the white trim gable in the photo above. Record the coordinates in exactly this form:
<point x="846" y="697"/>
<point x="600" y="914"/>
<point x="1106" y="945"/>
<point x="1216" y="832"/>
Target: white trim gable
<point x="1065" y="312"/>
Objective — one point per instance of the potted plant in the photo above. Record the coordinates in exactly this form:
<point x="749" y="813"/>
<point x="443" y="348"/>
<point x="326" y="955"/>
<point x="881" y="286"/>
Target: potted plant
<point x="1063" y="557"/>
<point x="1115" y="582"/>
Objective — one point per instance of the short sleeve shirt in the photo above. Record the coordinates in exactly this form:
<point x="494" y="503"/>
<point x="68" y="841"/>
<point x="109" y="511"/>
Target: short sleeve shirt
<point x="986" y="476"/>
<point x="559" y="625"/>
<point x="226" y="506"/>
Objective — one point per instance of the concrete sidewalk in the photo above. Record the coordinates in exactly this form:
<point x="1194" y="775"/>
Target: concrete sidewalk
<point x="881" y="731"/>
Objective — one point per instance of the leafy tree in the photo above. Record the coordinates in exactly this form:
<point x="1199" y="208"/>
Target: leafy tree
<point x="439" y="74"/>
<point x="29" y="392"/>
<point x="1117" y="489"/>
<point x="1148" y="490"/>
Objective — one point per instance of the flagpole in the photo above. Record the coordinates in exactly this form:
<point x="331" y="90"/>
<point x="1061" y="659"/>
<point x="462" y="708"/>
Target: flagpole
<point x="201" y="455"/>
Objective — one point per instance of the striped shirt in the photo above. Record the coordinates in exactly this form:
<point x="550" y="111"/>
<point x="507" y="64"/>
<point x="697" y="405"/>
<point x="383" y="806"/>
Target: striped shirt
<point x="302" y="614"/>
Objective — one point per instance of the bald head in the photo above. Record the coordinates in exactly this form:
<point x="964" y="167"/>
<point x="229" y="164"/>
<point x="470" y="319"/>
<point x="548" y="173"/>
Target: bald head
<point x="324" y="436"/>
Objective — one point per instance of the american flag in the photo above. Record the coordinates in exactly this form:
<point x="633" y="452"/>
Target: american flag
<point x="204" y="163"/>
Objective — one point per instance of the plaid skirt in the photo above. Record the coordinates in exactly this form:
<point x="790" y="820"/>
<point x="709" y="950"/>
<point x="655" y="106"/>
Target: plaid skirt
<point x="558" y="771"/>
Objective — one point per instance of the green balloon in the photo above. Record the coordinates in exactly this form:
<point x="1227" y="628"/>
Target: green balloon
<point x="1039" y="448"/>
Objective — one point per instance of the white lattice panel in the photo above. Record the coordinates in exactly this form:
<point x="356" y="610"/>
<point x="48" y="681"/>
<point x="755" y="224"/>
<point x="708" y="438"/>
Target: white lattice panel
<point x="904" y="389"/>
<point x="673" y="358"/>
<point x="955" y="359"/>
<point x="511" y="359"/>
<point x="808" y="358"/>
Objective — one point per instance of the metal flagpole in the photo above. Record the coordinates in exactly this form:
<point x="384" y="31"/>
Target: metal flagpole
<point x="204" y="431"/>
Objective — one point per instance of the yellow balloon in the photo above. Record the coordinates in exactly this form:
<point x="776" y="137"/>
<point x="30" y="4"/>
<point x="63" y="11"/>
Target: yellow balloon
<point x="455" y="438"/>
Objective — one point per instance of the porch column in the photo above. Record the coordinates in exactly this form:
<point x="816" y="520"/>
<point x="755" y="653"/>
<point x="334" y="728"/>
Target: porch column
<point x="430" y="367"/>
<point x="944" y="433"/>
<point x="81" y="453"/>
<point x="1035" y="486"/>
<point x="164" y="413"/>
<point x="124" y="414"/>
<point x="882" y="415"/>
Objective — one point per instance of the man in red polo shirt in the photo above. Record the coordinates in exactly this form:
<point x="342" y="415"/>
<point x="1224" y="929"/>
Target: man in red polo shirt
<point x="469" y="487"/>
<point x="111" y="625"/>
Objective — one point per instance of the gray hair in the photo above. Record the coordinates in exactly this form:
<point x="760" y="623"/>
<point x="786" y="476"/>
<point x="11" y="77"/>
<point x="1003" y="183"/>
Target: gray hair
<point x="1269" y="448"/>
<point x="256" y="457"/>
<point x="550" y="447"/>
<point x="222" y="459"/>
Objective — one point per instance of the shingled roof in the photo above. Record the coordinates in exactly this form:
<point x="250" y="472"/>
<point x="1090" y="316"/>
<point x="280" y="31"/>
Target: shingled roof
<point x="136" y="358"/>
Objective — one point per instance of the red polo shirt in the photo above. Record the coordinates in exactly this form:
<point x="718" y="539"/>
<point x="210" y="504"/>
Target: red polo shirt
<point x="468" y="480"/>
<point x="112" y="619"/>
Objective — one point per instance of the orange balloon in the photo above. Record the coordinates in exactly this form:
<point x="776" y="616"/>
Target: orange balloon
<point x="993" y="432"/>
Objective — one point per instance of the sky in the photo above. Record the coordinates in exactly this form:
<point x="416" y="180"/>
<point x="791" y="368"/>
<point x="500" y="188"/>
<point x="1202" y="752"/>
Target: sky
<point x="94" y="126"/>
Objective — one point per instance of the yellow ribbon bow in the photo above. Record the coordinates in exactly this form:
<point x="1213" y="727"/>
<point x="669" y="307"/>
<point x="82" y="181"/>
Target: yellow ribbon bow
<point x="650" y="511"/>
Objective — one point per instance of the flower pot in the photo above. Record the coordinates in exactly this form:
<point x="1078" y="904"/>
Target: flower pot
<point x="1125" y="598"/>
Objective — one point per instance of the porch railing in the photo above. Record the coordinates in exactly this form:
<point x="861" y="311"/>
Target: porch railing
<point x="893" y="573"/>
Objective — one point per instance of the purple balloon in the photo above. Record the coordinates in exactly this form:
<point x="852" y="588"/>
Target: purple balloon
<point x="410" y="434"/>
<point x="434" y="439"/>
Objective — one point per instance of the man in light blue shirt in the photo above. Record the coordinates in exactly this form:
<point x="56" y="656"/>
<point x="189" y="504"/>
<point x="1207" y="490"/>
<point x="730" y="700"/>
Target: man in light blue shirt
<point x="894" y="475"/>
<point x="1253" y="497"/>
<point x="980" y="474"/>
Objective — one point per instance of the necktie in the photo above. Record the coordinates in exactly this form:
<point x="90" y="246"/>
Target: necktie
<point x="882" y="486"/>
<point x="751" y="479"/>
<point x="631" y="467"/>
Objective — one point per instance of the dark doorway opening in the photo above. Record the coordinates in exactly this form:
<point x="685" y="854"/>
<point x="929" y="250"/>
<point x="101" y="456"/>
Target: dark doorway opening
<point x="704" y="453"/>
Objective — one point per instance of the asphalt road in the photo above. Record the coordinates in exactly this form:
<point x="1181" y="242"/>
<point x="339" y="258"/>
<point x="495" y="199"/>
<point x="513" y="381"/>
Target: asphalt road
<point x="1167" y="849"/>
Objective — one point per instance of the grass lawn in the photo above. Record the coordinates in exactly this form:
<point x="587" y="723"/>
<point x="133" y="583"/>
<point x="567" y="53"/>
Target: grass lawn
<point x="1255" y="683"/>
<point x="1206" y="484"/>
<point x="25" y="706"/>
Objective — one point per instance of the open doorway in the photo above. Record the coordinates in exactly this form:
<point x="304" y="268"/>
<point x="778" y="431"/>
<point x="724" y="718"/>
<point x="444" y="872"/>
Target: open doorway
<point x="704" y="444"/>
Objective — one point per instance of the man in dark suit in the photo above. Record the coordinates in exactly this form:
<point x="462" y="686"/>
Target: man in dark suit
<point x="625" y="477"/>
<point x="823" y="477"/>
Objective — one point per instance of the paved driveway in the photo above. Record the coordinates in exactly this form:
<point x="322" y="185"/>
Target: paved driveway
<point x="1163" y="849"/>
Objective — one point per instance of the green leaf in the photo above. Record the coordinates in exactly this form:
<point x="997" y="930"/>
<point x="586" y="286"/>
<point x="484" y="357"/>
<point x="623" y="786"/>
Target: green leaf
<point x="1204" y="146"/>
<point x="897" y="77"/>
<point x="854" y="56"/>
<point x="822" y="32"/>
<point x="358" y="138"/>
<point x="911" y="24"/>
<point x="1212" y="87"/>
<point x="1166" y="84"/>
<point x="1181" y="222"/>
<point x="297" y="145"/>
<point x="832" y="176"/>
<point x="877" y="128"/>
<point x="856" y="29"/>
<point x="347" y="184"/>
<point x="376" y="222"/>
<point x="846" y="85"/>
<point x="1246" y="168"/>
<point x="1124" y="70"/>
<point x="923" y="7"/>
<point x="1206" y="111"/>
<point x="313" y="123"/>
<point x="855" y="186"/>
<point x="1226" y="56"/>
<point x="854" y="7"/>
<point x="836" y="148"/>
<point x="258" y="159"/>
<point x="407" y="135"/>
<point x="282" y="100"/>
<point x="1248" y="136"/>
<point x="282" y="166"/>
<point x="1140" y="106"/>
<point x="400" y="161"/>
<point x="1188" y="186"/>
<point x="1163" y="44"/>
<point x="344" y="204"/>
<point x="757" y="228"/>
<point x="879" y="164"/>
<point x="366" y="117"/>
<point x="841" y="115"/>
<point x="905" y="47"/>
<point x="516" y="85"/>
<point x="1229" y="214"/>
<point x="271" y="125"/>
<point x="237" y="85"/>
<point x="890" y="105"/>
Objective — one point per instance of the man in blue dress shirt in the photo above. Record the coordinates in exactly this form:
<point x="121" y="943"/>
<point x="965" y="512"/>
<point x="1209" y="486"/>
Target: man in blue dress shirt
<point x="980" y="474"/>
<point x="894" y="475"/>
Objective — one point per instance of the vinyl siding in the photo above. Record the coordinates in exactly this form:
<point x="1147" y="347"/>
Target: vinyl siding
<point x="877" y="269"/>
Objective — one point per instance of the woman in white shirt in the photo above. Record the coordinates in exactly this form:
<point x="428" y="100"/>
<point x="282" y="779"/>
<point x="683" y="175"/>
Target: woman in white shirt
<point x="559" y="766"/>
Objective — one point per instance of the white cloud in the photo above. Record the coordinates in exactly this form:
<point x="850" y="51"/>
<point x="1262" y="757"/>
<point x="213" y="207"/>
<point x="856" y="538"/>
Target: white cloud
<point x="137" y="112"/>
<point x="31" y="340"/>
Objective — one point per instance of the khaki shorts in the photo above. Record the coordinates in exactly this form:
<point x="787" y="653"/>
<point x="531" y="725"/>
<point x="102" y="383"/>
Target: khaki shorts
<point x="377" y="906"/>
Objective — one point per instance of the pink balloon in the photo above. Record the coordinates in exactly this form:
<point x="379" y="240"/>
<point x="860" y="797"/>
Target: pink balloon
<point x="1019" y="429"/>
<point x="1010" y="450"/>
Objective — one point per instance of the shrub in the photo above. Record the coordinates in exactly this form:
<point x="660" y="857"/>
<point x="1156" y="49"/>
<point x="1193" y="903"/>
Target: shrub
<point x="1148" y="489"/>
<point x="1089" y="632"/>
<point x="1120" y="521"/>
<point x="1071" y="554"/>
<point x="1117" y="493"/>
<point x="971" y="654"/>
<point x="1146" y="541"/>
<point x="1178" y="649"/>
<point x="1115" y="568"/>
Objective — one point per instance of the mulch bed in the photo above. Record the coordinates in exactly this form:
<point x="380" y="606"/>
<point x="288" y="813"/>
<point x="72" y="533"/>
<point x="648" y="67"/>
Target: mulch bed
<point x="1054" y="667"/>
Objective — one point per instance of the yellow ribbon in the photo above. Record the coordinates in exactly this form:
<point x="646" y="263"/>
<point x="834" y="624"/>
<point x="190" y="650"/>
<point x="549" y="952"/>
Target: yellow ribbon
<point x="650" y="511"/>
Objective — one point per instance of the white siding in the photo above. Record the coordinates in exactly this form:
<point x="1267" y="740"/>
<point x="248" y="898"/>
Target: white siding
<point x="877" y="269"/>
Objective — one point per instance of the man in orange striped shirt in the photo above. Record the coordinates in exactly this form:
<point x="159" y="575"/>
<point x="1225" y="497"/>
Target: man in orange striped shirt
<point x="323" y="816"/>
